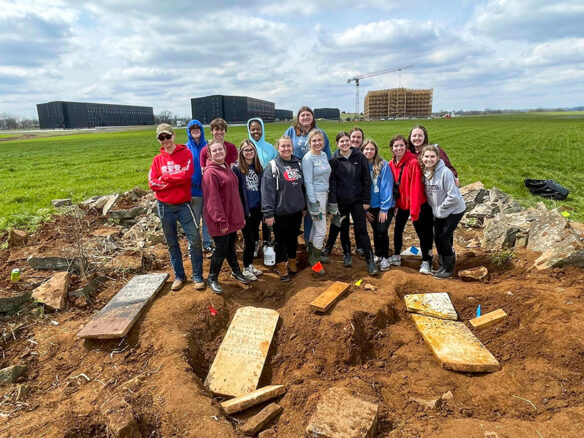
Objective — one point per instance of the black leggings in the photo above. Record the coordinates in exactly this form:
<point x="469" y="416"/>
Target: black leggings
<point x="286" y="230"/>
<point x="224" y="249"/>
<point x="251" y="234"/>
<point x="423" y="226"/>
<point x="333" y="234"/>
<point x="444" y="233"/>
<point x="359" y="227"/>
<point x="380" y="232"/>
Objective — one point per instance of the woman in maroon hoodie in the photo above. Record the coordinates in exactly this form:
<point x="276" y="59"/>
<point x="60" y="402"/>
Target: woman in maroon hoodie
<point x="409" y="198"/>
<point x="223" y="214"/>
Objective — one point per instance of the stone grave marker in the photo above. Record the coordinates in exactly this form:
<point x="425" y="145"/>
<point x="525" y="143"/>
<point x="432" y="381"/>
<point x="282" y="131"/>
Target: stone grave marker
<point x="240" y="359"/>
<point x="436" y="304"/>
<point x="488" y="319"/>
<point x="119" y="315"/>
<point x="326" y="299"/>
<point x="455" y="346"/>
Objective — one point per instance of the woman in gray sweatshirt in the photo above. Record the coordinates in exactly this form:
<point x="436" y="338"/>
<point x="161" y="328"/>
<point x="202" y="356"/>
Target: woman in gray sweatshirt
<point x="447" y="206"/>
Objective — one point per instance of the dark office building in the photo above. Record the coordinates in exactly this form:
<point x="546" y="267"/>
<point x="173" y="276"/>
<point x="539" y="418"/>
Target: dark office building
<point x="327" y="113"/>
<point x="231" y="108"/>
<point x="284" y="114"/>
<point x="70" y="115"/>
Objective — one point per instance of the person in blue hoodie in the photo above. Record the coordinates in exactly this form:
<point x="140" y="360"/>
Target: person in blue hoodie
<point x="447" y="206"/>
<point x="196" y="142"/>
<point x="382" y="204"/>
<point x="305" y="123"/>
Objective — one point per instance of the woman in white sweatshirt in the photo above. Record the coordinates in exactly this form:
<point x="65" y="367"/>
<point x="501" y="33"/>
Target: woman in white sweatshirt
<point x="447" y="206"/>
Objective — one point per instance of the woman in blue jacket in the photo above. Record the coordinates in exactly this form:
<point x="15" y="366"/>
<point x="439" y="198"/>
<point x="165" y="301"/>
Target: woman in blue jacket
<point x="382" y="204"/>
<point x="305" y="123"/>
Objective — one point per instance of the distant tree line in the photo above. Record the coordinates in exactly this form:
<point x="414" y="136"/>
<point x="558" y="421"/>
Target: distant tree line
<point x="10" y="121"/>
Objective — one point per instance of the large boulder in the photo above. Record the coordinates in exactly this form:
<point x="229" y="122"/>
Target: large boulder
<point x="568" y="252"/>
<point x="53" y="293"/>
<point x="547" y="230"/>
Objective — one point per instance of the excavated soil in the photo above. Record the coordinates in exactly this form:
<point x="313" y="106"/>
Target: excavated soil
<point x="367" y="342"/>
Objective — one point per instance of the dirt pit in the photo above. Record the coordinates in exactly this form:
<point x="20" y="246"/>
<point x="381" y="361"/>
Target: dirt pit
<point x="366" y="341"/>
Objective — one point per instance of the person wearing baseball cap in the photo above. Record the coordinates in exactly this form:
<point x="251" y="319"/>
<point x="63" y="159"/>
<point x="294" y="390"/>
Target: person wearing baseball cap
<point x="170" y="179"/>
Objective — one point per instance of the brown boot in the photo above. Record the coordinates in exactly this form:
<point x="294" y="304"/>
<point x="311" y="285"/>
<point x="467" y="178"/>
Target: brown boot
<point x="292" y="266"/>
<point x="283" y="271"/>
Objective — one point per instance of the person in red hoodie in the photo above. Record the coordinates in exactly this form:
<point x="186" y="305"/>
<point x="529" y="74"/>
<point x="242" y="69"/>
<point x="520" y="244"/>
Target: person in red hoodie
<point x="170" y="179"/>
<point x="223" y="213"/>
<point x="409" y="195"/>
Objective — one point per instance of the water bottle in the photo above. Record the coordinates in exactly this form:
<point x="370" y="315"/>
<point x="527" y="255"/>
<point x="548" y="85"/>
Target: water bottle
<point x="15" y="275"/>
<point x="269" y="253"/>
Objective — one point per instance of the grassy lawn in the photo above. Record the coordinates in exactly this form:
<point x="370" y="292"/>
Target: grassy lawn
<point x="499" y="150"/>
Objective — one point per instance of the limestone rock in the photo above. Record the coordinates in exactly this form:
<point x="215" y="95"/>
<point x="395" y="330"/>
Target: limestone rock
<point x="53" y="293"/>
<point x="475" y="274"/>
<point x="17" y="238"/>
<point x="256" y="423"/>
<point x="12" y="373"/>
<point x="112" y="199"/>
<point x="139" y="192"/>
<point x="568" y="252"/>
<point x="56" y="263"/>
<point x="482" y="211"/>
<point x="61" y="202"/>
<point x="447" y="396"/>
<point x="119" y="418"/>
<point x="130" y="213"/>
<point x="12" y="304"/>
<point x="268" y="433"/>
<point x="473" y="194"/>
<point x="435" y="403"/>
<point x="550" y="228"/>
<point x="340" y="414"/>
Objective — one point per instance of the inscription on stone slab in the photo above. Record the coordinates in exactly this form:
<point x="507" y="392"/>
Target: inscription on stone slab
<point x="119" y="315"/>
<point x="436" y="304"/>
<point x="240" y="359"/>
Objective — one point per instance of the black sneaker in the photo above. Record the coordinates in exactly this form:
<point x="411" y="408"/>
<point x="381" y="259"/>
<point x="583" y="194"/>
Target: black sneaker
<point x="360" y="252"/>
<point x="209" y="250"/>
<point x="347" y="260"/>
<point x="215" y="286"/>
<point x="239" y="277"/>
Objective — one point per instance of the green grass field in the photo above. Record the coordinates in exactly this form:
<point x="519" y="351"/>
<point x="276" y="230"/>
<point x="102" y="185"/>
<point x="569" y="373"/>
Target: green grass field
<point x="499" y="150"/>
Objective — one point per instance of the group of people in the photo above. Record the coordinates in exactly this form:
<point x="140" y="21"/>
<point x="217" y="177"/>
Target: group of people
<point x="214" y="189"/>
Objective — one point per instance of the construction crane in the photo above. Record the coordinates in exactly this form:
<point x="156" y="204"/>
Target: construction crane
<point x="368" y="75"/>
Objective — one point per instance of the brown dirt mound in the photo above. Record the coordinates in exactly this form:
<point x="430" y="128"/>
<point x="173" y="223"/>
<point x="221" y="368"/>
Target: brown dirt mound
<point x="367" y="341"/>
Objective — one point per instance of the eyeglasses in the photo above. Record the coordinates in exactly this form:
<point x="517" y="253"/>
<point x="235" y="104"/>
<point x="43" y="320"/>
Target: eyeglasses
<point x="163" y="137"/>
<point x="247" y="150"/>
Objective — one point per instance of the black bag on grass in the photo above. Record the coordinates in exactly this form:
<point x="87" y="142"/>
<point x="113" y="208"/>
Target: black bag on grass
<point x="547" y="188"/>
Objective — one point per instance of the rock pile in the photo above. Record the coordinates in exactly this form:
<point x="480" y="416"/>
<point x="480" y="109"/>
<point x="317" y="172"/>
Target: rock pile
<point x="507" y="225"/>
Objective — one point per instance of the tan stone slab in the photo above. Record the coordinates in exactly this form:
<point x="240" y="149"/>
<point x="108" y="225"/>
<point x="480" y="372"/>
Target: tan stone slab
<point x="240" y="359"/>
<point x="488" y="319"/>
<point x="256" y="423"/>
<point x="119" y="418"/>
<point x="340" y="414"/>
<point x="53" y="293"/>
<point x="455" y="346"/>
<point x="119" y="315"/>
<point x="253" y="398"/>
<point x="329" y="296"/>
<point x="436" y="304"/>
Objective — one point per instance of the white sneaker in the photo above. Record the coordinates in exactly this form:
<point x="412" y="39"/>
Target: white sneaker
<point x="384" y="264"/>
<point x="248" y="274"/>
<point x="425" y="267"/>
<point x="255" y="271"/>
<point x="395" y="260"/>
<point x="376" y="259"/>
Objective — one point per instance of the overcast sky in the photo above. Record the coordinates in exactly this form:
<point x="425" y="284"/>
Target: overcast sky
<point x="474" y="54"/>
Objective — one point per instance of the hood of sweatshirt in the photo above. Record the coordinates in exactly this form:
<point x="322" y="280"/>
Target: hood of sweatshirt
<point x="193" y="146"/>
<point x="408" y="156"/>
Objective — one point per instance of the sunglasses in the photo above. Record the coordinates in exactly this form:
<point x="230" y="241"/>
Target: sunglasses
<point x="163" y="137"/>
<point x="247" y="150"/>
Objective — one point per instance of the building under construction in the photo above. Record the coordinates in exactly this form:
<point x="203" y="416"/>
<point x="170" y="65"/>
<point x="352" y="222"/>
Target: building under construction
<point x="398" y="102"/>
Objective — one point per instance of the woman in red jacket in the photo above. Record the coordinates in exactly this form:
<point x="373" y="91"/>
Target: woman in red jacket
<point x="409" y="194"/>
<point x="223" y="214"/>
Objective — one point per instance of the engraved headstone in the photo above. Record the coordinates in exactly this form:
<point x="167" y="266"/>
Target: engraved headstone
<point x="240" y="359"/>
<point x="436" y="304"/>
<point x="119" y="315"/>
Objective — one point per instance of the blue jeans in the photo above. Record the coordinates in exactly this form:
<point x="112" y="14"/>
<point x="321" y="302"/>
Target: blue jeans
<point x="169" y="215"/>
<point x="197" y="206"/>
<point x="307" y="227"/>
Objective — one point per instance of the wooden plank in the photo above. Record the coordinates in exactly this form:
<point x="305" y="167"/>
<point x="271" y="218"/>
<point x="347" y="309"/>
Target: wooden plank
<point x="435" y="304"/>
<point x="119" y="315"/>
<point x="488" y="319"/>
<point x="253" y="398"/>
<point x="455" y="346"/>
<point x="256" y="423"/>
<point x="240" y="359"/>
<point x="329" y="296"/>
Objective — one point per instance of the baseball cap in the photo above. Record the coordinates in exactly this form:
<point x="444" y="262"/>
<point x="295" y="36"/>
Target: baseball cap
<point x="164" y="128"/>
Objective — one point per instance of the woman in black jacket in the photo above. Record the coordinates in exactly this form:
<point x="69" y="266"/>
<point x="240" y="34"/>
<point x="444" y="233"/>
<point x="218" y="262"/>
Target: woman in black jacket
<point x="350" y="188"/>
<point x="249" y="173"/>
